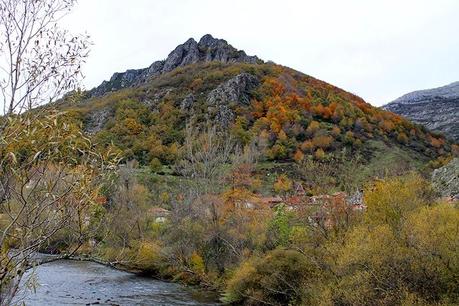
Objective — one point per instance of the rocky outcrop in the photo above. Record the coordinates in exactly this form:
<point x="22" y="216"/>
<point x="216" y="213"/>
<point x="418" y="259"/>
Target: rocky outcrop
<point x="236" y="90"/>
<point x="208" y="49"/>
<point x="437" y="109"/>
<point x="187" y="102"/>
<point x="96" y="120"/>
<point x="446" y="179"/>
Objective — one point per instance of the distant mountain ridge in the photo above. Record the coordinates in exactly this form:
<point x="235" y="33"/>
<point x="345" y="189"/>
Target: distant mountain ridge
<point x="208" y="49"/>
<point x="450" y="91"/>
<point x="437" y="109"/>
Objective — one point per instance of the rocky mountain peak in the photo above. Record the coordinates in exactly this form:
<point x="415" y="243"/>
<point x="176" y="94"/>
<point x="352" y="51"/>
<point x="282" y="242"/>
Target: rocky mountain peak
<point x="207" y="40"/>
<point x="208" y="49"/>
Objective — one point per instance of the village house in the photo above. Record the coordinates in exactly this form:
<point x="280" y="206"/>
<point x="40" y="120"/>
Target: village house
<point x="159" y="214"/>
<point x="256" y="202"/>
<point x="271" y="201"/>
<point x="324" y="209"/>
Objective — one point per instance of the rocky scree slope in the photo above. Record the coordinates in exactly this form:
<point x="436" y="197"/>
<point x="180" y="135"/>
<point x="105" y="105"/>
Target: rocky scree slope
<point x="446" y="179"/>
<point x="437" y="109"/>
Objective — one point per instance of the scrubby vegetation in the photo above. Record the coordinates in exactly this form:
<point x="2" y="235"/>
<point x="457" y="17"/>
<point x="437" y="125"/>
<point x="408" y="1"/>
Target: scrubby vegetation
<point x="401" y="250"/>
<point x="206" y="222"/>
<point x="291" y="116"/>
<point x="234" y="208"/>
<point x="267" y="210"/>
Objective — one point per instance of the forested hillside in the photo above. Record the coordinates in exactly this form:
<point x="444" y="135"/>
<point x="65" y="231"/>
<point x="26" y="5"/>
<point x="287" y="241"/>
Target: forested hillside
<point x="286" y="114"/>
<point x="247" y="178"/>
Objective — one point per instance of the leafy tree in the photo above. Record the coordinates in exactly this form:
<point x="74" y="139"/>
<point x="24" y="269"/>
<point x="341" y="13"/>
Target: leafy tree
<point x="402" y="138"/>
<point x="313" y="127"/>
<point x="319" y="154"/>
<point x="322" y="141"/>
<point x="280" y="227"/>
<point x="432" y="234"/>
<point x="37" y="149"/>
<point x="50" y="183"/>
<point x="299" y="156"/>
<point x="283" y="184"/>
<point x="369" y="267"/>
<point x="390" y="201"/>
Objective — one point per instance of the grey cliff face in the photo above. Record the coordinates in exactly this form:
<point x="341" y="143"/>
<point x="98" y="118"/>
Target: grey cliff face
<point x="437" y="109"/>
<point x="446" y="179"/>
<point x="183" y="55"/>
<point x="208" y="49"/>
<point x="187" y="102"/>
<point x="234" y="91"/>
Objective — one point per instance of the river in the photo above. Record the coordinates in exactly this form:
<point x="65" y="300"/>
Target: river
<point x="67" y="282"/>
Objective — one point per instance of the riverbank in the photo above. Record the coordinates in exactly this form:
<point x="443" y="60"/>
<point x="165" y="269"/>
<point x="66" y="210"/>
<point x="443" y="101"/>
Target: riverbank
<point x="81" y="281"/>
<point x="44" y="258"/>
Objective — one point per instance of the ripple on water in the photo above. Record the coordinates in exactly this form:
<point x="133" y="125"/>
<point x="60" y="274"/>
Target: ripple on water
<point x="69" y="282"/>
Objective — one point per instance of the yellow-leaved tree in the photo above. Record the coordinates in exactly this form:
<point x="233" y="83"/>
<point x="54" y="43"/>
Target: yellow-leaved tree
<point x="50" y="173"/>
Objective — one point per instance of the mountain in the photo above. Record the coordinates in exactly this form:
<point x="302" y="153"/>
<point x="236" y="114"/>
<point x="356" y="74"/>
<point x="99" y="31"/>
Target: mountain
<point x="208" y="49"/>
<point x="437" y="109"/>
<point x="287" y="115"/>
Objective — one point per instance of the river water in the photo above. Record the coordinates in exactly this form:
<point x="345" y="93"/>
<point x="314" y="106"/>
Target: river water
<point x="67" y="282"/>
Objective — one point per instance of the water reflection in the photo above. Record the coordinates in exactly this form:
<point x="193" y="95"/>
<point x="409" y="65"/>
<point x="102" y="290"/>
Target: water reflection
<point x="86" y="283"/>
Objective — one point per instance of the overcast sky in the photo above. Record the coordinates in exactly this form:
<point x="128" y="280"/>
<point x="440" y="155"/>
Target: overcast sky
<point x="377" y="49"/>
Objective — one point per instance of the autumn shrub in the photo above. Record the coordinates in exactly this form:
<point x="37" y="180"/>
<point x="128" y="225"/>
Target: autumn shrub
<point x="390" y="201"/>
<point x="319" y="154"/>
<point x="274" y="279"/>
<point x="402" y="138"/>
<point x="375" y="266"/>
<point x="370" y="267"/>
<point x="313" y="126"/>
<point x="299" y="156"/>
<point x="405" y="252"/>
<point x="197" y="264"/>
<point x="307" y="146"/>
<point x="432" y="235"/>
<point x="155" y="165"/>
<point x="148" y="257"/>
<point x="322" y="141"/>
<point x="283" y="184"/>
